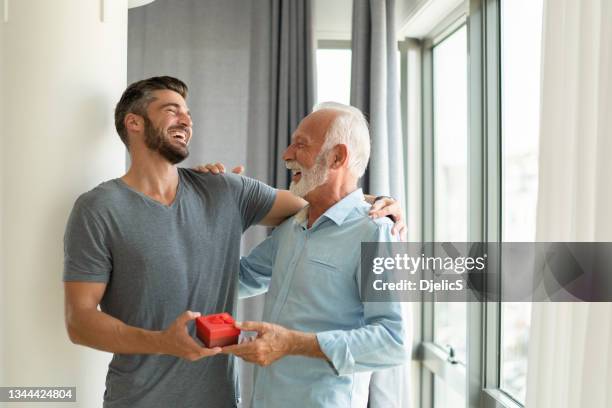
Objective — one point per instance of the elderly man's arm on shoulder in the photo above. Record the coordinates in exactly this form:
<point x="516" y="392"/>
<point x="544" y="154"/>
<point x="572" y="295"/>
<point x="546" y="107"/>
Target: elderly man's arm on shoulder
<point x="88" y="326"/>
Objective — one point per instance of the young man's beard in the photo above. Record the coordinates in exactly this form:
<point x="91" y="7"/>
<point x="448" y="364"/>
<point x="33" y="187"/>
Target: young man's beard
<point x="311" y="178"/>
<point x="156" y="140"/>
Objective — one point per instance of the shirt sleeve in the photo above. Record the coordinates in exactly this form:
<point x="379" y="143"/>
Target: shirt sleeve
<point x="254" y="198"/>
<point x="87" y="256"/>
<point x="379" y="343"/>
<point x="256" y="268"/>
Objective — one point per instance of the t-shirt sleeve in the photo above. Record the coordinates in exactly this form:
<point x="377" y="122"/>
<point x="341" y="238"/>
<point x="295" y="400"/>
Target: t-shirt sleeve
<point x="253" y="198"/>
<point x="87" y="256"/>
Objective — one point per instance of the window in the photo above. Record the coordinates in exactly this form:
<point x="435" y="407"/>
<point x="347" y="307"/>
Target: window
<point x="479" y="112"/>
<point x="521" y="26"/>
<point x="450" y="172"/>
<point x="334" y="72"/>
<point x="445" y="71"/>
<point x="450" y="137"/>
<point x="445" y="396"/>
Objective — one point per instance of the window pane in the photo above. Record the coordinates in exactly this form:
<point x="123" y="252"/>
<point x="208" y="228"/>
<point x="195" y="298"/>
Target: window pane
<point x="521" y="38"/>
<point x="450" y="172"/>
<point x="515" y="341"/>
<point x="521" y="26"/>
<point x="334" y="75"/>
<point x="446" y="397"/>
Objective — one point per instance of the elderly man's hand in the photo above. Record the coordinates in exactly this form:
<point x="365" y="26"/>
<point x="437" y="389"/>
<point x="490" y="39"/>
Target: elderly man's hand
<point x="272" y="343"/>
<point x="216" y="168"/>
<point x="387" y="206"/>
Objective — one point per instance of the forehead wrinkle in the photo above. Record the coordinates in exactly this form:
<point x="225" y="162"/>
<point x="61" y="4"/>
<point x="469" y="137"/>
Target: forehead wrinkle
<point x="299" y="136"/>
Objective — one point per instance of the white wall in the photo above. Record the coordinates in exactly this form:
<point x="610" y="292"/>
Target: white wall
<point x="332" y="19"/>
<point x="2" y="161"/>
<point x="63" y="69"/>
<point x="417" y="18"/>
<point x="405" y="8"/>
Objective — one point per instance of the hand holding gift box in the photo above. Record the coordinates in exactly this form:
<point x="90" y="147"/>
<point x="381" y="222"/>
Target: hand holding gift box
<point x="217" y="330"/>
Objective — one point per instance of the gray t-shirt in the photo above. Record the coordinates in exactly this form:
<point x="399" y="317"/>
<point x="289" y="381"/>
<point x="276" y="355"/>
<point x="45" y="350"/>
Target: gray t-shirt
<point x="159" y="261"/>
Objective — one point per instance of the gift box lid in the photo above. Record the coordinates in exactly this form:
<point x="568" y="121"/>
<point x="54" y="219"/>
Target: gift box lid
<point x="217" y="325"/>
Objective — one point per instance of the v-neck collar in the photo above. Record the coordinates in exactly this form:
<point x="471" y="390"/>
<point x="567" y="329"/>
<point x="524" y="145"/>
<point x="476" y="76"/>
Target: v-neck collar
<point x="172" y="205"/>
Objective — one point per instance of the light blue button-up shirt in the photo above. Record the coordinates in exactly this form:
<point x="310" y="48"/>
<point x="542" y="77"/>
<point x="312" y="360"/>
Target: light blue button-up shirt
<point x="314" y="278"/>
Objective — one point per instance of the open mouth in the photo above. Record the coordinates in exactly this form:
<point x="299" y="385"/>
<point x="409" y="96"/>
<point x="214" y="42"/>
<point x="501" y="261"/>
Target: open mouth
<point x="296" y="175"/>
<point x="179" y="135"/>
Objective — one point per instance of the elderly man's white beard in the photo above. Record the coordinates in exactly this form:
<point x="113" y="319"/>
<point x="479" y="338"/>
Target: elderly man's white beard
<point x="311" y="178"/>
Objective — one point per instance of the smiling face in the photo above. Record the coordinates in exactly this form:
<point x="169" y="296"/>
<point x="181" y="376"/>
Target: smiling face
<point x="308" y="164"/>
<point x="168" y="126"/>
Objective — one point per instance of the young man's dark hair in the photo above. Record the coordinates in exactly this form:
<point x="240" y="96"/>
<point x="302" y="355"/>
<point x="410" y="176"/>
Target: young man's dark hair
<point x="137" y="97"/>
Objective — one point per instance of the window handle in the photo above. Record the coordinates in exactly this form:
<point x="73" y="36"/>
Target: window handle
<point x="451" y="355"/>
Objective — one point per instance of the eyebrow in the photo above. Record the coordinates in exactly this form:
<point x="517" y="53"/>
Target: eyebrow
<point x="175" y="105"/>
<point x="300" y="138"/>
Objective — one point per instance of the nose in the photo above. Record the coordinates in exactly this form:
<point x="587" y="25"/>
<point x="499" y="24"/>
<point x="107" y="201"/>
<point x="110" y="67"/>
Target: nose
<point x="185" y="120"/>
<point x="289" y="153"/>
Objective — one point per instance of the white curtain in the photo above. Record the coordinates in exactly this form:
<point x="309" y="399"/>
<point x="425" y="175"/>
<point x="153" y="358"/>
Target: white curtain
<point x="570" y="350"/>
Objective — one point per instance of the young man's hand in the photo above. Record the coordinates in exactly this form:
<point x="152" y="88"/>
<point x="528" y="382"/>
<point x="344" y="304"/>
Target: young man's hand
<point x="387" y="206"/>
<point x="176" y="341"/>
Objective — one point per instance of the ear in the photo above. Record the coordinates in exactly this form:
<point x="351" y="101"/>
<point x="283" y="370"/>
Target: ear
<point x="133" y="122"/>
<point x="339" y="156"/>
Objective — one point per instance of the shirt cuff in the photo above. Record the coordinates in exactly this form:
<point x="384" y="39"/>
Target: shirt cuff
<point x="335" y="347"/>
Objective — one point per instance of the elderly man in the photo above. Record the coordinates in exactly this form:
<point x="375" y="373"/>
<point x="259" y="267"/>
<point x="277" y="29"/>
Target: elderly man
<point x="320" y="340"/>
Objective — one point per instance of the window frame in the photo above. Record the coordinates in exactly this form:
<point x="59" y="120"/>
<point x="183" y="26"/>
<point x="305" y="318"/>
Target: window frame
<point x="333" y="44"/>
<point x="435" y="359"/>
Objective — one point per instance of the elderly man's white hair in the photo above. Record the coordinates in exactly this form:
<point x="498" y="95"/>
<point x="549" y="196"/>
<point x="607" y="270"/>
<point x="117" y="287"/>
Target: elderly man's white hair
<point x="350" y="127"/>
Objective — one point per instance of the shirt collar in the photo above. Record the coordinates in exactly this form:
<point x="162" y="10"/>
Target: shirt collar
<point x="337" y="212"/>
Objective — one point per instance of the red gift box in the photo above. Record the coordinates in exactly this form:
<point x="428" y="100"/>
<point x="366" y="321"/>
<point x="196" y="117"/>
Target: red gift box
<point x="217" y="330"/>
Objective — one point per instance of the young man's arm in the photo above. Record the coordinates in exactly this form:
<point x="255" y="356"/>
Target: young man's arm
<point x="287" y="204"/>
<point x="88" y="326"/>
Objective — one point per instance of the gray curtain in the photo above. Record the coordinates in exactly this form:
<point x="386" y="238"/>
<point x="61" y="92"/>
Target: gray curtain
<point x="204" y="43"/>
<point x="282" y="86"/>
<point x="375" y="90"/>
<point x="250" y="69"/>
<point x="281" y="93"/>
